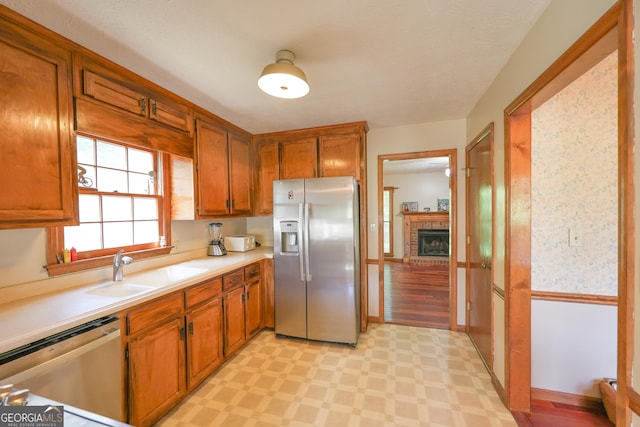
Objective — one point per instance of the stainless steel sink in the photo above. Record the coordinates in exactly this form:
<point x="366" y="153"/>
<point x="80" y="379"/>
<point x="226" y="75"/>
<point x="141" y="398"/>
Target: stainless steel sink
<point x="119" y="289"/>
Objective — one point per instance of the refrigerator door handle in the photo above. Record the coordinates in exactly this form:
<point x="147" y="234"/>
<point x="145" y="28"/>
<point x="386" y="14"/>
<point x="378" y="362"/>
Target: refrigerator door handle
<point x="301" y="245"/>
<point x="306" y="241"/>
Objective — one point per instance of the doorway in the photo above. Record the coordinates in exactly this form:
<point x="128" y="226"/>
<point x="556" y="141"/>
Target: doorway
<point x="598" y="43"/>
<point x="417" y="289"/>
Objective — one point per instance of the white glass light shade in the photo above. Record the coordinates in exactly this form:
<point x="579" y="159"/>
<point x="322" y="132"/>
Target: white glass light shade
<point x="283" y="79"/>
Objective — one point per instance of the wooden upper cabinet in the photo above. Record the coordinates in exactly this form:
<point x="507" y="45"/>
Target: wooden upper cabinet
<point x="122" y="96"/>
<point x="224" y="185"/>
<point x="114" y="94"/>
<point x="240" y="174"/>
<point x="171" y="114"/>
<point x="212" y="170"/>
<point x="38" y="171"/>
<point x="339" y="155"/>
<point x="267" y="170"/>
<point x="298" y="158"/>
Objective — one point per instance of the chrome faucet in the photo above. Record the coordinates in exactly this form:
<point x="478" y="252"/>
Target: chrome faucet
<point x="120" y="261"/>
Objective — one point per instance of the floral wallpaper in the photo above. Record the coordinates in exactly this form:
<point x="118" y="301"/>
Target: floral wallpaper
<point x="574" y="186"/>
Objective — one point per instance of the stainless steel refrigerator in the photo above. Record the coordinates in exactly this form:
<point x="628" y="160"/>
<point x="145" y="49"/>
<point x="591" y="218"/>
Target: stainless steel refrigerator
<point x="317" y="259"/>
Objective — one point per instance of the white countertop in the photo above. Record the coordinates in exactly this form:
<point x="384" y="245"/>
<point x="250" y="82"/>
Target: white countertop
<point x="28" y="320"/>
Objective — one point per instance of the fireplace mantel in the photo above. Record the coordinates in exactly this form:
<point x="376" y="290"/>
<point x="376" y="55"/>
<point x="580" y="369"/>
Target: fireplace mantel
<point x="414" y="221"/>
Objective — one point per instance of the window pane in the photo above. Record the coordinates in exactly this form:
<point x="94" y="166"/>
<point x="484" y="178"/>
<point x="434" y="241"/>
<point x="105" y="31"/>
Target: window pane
<point x="140" y="184"/>
<point x="387" y="241"/>
<point x="111" y="155"/>
<point x="145" y="232"/>
<point x="145" y="208"/>
<point x="84" y="237"/>
<point x="89" y="206"/>
<point x="117" y="234"/>
<point x="85" y="149"/>
<point x="88" y="179"/>
<point x="116" y="208"/>
<point x="385" y="206"/>
<point x="112" y="181"/>
<point x="140" y="161"/>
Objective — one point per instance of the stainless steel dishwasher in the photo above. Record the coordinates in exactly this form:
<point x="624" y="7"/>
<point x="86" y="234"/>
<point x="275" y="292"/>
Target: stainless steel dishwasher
<point x="80" y="367"/>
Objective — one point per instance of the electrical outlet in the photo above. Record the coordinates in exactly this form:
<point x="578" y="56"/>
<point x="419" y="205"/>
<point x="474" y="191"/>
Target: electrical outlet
<point x="176" y="245"/>
<point x="372" y="228"/>
<point x="575" y="237"/>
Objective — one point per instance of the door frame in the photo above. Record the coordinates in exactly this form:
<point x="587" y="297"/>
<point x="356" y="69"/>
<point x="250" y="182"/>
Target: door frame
<point x="488" y="131"/>
<point x="453" y="234"/>
<point x="612" y="28"/>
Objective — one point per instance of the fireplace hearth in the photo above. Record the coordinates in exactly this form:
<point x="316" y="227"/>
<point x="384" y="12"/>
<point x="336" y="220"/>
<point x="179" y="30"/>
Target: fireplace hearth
<point x="434" y="251"/>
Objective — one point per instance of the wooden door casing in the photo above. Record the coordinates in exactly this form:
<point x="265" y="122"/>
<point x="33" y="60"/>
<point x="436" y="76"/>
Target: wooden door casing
<point x="479" y="318"/>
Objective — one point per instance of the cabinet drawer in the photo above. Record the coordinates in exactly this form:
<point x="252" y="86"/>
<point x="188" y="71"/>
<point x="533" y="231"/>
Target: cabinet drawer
<point x="203" y="292"/>
<point x="155" y="312"/>
<point x="233" y="280"/>
<point x="252" y="271"/>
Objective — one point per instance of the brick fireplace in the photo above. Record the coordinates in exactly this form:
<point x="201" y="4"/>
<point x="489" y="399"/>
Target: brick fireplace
<point x="415" y="221"/>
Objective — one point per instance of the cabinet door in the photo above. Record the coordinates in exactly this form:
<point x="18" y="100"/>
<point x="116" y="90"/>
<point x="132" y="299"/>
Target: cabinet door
<point x="340" y="155"/>
<point x="268" y="294"/>
<point x="267" y="170"/>
<point x="175" y="115"/>
<point x="38" y="173"/>
<point x="114" y="94"/>
<point x="233" y="320"/>
<point x="240" y="174"/>
<point x="212" y="170"/>
<point x="253" y="291"/>
<point x="298" y="158"/>
<point x="204" y="341"/>
<point x="156" y="372"/>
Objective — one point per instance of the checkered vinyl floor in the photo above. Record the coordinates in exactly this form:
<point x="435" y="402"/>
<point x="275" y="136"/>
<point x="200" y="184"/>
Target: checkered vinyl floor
<point x="396" y="376"/>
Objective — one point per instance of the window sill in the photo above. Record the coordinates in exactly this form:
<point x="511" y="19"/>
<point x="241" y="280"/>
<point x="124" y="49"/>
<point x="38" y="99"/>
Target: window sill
<point x="88" y="264"/>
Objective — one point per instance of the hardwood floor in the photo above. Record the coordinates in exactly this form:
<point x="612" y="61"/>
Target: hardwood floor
<point x="550" y="414"/>
<point x="416" y="295"/>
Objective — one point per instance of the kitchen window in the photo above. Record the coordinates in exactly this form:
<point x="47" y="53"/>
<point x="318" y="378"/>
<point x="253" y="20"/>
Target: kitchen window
<point x="120" y="203"/>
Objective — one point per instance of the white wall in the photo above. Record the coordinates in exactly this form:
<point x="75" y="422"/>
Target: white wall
<point x="408" y="139"/>
<point x="424" y="188"/>
<point x="561" y="24"/>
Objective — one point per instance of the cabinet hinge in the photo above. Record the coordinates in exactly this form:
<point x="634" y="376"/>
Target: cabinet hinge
<point x="468" y="305"/>
<point x="190" y="328"/>
<point x="183" y="334"/>
<point x="243" y="298"/>
<point x="126" y="354"/>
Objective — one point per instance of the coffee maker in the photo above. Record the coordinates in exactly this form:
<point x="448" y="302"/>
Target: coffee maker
<point x="216" y="247"/>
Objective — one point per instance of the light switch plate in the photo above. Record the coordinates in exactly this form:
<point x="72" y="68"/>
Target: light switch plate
<point x="575" y="237"/>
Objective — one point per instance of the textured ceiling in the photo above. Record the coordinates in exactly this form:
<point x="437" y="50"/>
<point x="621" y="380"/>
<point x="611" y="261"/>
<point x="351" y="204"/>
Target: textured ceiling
<point x="389" y="62"/>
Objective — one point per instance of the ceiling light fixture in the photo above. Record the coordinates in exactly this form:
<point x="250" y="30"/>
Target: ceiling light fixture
<point x="283" y="79"/>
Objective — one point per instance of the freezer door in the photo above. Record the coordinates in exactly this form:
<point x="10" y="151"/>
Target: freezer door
<point x="332" y="302"/>
<point x="290" y="293"/>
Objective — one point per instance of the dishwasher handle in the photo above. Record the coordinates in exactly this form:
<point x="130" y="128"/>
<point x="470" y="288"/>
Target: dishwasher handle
<point x="50" y="365"/>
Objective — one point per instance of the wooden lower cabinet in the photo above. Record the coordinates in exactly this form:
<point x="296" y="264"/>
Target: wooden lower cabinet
<point x="156" y="372"/>
<point x="204" y="341"/>
<point x="234" y="320"/>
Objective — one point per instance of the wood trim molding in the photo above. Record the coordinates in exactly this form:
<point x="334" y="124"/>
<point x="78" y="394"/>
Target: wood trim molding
<point x="498" y="387"/>
<point x="375" y="319"/>
<point x="461" y="265"/>
<point x="577" y="298"/>
<point x="499" y="292"/>
<point x="370" y="261"/>
<point x="88" y="264"/>
<point x="634" y="400"/>
<point x="580" y="401"/>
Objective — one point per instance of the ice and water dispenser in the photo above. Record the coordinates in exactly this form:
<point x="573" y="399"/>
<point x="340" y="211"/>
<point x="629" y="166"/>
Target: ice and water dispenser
<point x="289" y="237"/>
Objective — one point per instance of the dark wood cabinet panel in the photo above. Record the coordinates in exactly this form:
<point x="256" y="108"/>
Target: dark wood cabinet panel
<point x="240" y="175"/>
<point x="114" y="94"/>
<point x="267" y="170"/>
<point x="234" y="326"/>
<point x="204" y="341"/>
<point x="212" y="170"/>
<point x="339" y="155"/>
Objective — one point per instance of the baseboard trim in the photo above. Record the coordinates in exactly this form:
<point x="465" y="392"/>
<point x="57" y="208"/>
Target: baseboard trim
<point x="461" y="328"/>
<point x="587" y="402"/>
<point x="499" y="388"/>
<point x="372" y="319"/>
